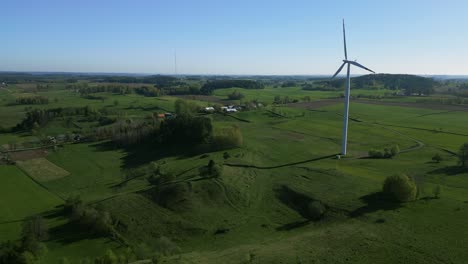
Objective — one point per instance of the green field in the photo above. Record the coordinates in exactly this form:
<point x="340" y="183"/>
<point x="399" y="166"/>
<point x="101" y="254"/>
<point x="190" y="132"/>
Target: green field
<point x="42" y="170"/>
<point x="254" y="212"/>
<point x="21" y="197"/>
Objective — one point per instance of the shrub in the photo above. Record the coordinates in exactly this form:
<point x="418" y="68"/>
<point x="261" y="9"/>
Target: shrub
<point x="315" y="210"/>
<point x="385" y="153"/>
<point x="157" y="177"/>
<point x="235" y="95"/>
<point x="436" y="192"/>
<point x="211" y="170"/>
<point x="463" y="155"/>
<point x="437" y="158"/>
<point x="400" y="188"/>
<point x="183" y="107"/>
<point x="376" y="154"/>
<point x="395" y="150"/>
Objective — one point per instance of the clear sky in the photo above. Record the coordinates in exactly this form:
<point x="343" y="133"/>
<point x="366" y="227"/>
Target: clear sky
<point x="233" y="36"/>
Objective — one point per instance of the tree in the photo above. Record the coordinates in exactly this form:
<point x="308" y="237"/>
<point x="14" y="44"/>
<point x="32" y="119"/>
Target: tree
<point x="277" y="99"/>
<point x="235" y="95"/>
<point x="437" y="158"/>
<point x="436" y="192"/>
<point x="211" y="170"/>
<point x="463" y="155"/>
<point x="400" y="188"/>
<point x="315" y="210"/>
<point x="395" y="150"/>
<point x="35" y="227"/>
<point x="108" y="258"/>
<point x="183" y="107"/>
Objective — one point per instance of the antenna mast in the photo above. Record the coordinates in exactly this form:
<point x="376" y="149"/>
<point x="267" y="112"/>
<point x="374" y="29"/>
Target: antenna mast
<point x="175" y="62"/>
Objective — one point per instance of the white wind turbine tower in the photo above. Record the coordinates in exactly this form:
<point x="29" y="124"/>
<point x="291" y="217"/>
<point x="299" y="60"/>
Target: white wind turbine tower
<point x="347" y="92"/>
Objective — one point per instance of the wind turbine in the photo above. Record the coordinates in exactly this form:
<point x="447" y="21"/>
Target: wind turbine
<point x="347" y="92"/>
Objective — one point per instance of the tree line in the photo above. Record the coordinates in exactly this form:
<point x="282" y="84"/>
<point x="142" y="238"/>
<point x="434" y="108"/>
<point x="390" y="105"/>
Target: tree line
<point x="410" y="84"/>
<point x="29" y="100"/>
<point x="210" y="86"/>
<point x="40" y="117"/>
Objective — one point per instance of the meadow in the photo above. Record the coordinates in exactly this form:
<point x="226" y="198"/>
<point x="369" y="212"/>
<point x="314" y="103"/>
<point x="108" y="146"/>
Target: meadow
<point x="256" y="212"/>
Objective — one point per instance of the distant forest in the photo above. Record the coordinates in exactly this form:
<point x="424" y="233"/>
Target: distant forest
<point x="410" y="84"/>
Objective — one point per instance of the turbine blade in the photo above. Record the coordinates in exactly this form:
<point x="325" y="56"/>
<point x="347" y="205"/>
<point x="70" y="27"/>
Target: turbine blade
<point x="344" y="41"/>
<point x="339" y="70"/>
<point x="360" y="66"/>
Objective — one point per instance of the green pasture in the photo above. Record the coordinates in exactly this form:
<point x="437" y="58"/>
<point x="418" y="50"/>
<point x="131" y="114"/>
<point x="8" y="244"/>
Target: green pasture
<point x="253" y="213"/>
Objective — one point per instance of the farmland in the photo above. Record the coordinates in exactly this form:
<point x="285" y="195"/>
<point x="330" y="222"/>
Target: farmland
<point x="255" y="210"/>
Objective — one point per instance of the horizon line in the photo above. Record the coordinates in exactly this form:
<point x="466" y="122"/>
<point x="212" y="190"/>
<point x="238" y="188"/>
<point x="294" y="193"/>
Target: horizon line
<point x="208" y="74"/>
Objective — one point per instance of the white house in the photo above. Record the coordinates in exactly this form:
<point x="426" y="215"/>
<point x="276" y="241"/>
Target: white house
<point x="209" y="109"/>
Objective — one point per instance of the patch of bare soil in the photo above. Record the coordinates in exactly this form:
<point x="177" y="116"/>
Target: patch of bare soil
<point x="28" y="154"/>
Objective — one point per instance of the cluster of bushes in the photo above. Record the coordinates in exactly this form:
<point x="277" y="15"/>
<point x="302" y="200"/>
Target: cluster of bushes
<point x="235" y="95"/>
<point x="156" y="176"/>
<point x="30" y="248"/>
<point x="322" y="86"/>
<point x="210" y="86"/>
<point x="148" y="91"/>
<point x="186" y="129"/>
<point x="40" y="117"/>
<point x="94" y="97"/>
<point x="288" y="84"/>
<point x="182" y="89"/>
<point x="28" y="100"/>
<point x="183" y="107"/>
<point x="386" y="153"/>
<point x="110" y="88"/>
<point x="88" y="218"/>
<point x="284" y="100"/>
<point x="128" y="132"/>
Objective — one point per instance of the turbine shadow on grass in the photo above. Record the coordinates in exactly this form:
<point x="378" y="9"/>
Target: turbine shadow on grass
<point x="374" y="202"/>
<point x="450" y="170"/>
<point x="279" y="166"/>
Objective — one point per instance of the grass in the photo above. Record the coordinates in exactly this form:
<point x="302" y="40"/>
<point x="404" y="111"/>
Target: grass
<point x="42" y="170"/>
<point x="21" y="197"/>
<point x="246" y="216"/>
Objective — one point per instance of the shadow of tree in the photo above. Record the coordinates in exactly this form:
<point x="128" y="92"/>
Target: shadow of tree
<point x="299" y="202"/>
<point x="375" y="202"/>
<point x="450" y="170"/>
<point x="141" y="154"/>
<point x="69" y="233"/>
<point x="293" y="225"/>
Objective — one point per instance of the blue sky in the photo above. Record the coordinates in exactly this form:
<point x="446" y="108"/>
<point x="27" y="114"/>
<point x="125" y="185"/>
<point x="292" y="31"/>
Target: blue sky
<point x="233" y="37"/>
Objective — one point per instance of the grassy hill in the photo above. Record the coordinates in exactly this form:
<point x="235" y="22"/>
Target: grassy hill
<point x="257" y="211"/>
